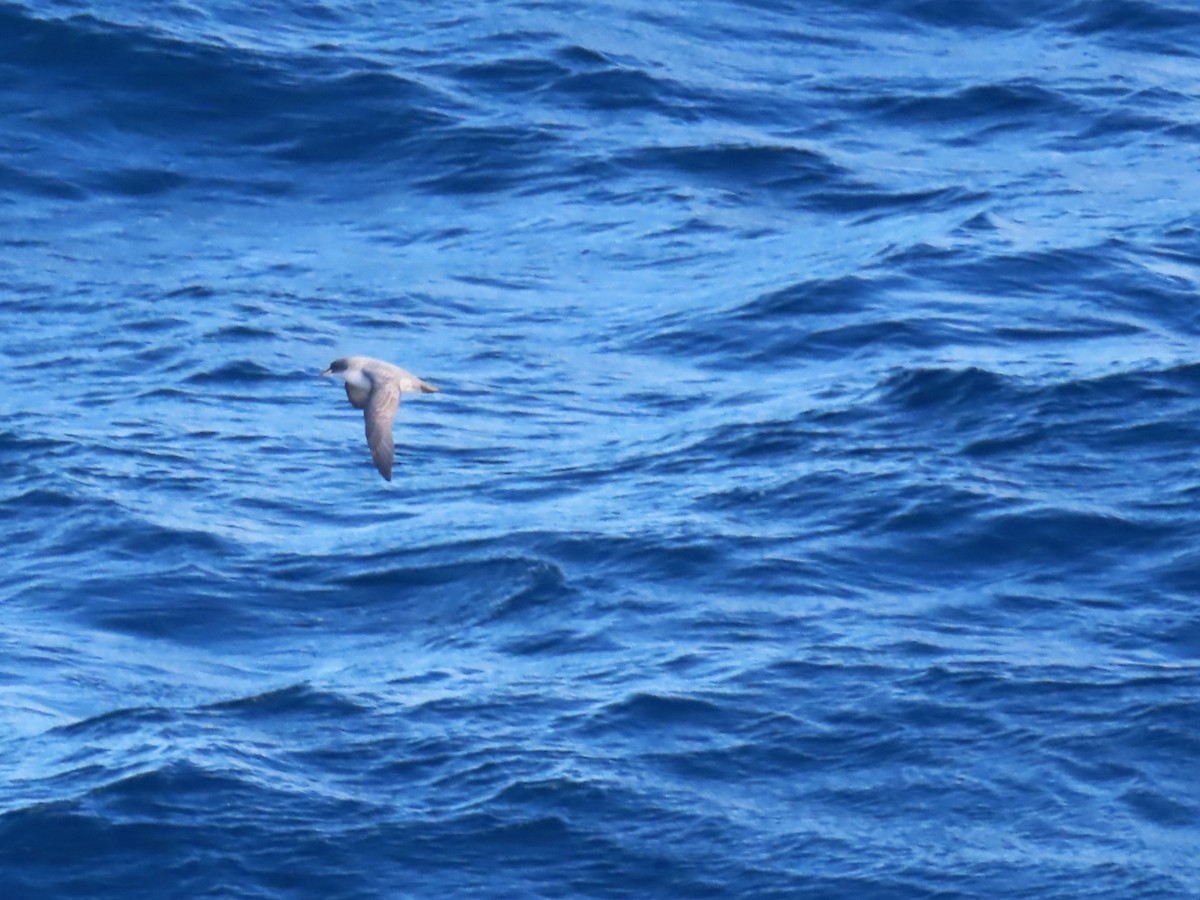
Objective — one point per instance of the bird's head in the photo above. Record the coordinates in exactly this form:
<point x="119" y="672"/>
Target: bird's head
<point x="337" y="367"/>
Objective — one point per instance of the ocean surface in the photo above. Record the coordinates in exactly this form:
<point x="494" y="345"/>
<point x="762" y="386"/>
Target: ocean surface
<point x="811" y="507"/>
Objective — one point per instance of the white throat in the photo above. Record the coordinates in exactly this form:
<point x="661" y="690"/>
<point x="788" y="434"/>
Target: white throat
<point x="358" y="378"/>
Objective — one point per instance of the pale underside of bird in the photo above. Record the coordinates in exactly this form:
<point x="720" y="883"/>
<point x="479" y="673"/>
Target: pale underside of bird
<point x="375" y="386"/>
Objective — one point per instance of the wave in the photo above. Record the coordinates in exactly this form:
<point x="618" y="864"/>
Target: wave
<point x="819" y="426"/>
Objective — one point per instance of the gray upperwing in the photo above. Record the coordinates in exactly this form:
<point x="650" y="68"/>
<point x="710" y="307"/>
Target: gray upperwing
<point x="378" y="416"/>
<point x="358" y="396"/>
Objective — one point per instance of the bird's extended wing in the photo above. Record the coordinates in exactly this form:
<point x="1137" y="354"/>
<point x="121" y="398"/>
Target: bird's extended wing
<point x="378" y="415"/>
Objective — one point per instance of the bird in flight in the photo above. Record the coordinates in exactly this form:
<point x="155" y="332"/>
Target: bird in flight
<point x="375" y="386"/>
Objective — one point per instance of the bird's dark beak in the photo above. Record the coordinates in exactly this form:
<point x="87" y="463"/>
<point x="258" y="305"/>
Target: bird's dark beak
<point x="327" y="372"/>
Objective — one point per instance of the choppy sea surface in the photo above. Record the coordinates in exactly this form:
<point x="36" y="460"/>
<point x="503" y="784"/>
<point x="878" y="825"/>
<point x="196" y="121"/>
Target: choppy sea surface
<point x="811" y="507"/>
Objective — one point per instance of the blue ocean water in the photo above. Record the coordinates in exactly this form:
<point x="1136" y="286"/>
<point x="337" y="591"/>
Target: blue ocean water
<point x="809" y="508"/>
